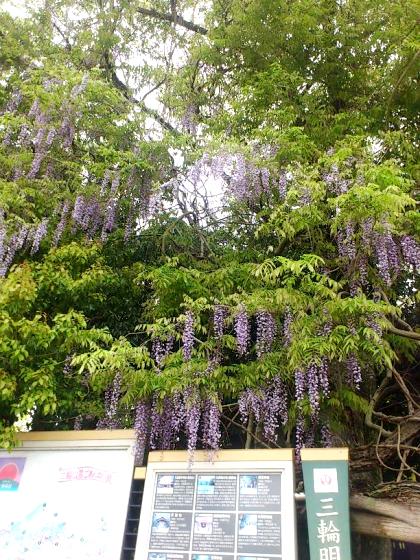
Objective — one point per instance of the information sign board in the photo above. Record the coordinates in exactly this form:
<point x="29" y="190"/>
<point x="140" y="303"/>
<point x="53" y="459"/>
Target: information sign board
<point x="239" y="507"/>
<point x="64" y="495"/>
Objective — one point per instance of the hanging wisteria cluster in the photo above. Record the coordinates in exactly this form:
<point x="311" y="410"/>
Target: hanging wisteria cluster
<point x="111" y="420"/>
<point x="162" y="424"/>
<point x="93" y="215"/>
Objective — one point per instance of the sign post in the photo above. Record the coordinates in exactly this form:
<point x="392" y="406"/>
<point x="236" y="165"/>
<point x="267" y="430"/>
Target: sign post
<point x="325" y="474"/>
<point x="238" y="507"/>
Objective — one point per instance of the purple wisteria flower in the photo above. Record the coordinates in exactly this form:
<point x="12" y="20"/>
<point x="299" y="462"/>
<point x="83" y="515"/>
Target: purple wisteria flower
<point x="250" y="403"/>
<point x="382" y="259"/>
<point x="141" y="428"/>
<point x="313" y="390"/>
<point x="211" y="425"/>
<point x="300" y="436"/>
<point x="411" y="251"/>
<point x="156" y="424"/>
<point x="112" y="397"/>
<point x="283" y="185"/>
<point x="354" y="371"/>
<point x="40" y="233"/>
<point x="266" y="332"/>
<point x="323" y="376"/>
<point x="275" y="407"/>
<point x="109" y="220"/>
<point x="242" y="331"/>
<point x="287" y="327"/>
<point x="61" y="224"/>
<point x="192" y="420"/>
<point x="300" y="384"/>
<point x="78" y="423"/>
<point x="161" y="350"/>
<point x="219" y="318"/>
<point x="326" y="436"/>
<point x="188" y="336"/>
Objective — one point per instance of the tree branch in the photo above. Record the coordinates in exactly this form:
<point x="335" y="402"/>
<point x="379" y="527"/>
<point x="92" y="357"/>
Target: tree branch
<point x="407" y="334"/>
<point x="127" y="94"/>
<point x="173" y="18"/>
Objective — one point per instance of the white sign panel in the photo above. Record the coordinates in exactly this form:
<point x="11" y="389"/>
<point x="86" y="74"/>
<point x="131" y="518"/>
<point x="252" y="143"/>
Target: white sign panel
<point x="239" y="507"/>
<point x="66" y="499"/>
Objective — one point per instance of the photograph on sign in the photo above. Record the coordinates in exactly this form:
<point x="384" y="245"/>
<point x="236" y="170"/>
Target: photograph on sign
<point x="11" y="473"/>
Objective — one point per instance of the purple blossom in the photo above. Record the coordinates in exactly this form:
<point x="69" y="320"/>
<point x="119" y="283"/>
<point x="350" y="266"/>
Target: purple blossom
<point x="78" y="423"/>
<point x="17" y="173"/>
<point x="411" y="251"/>
<point x="35" y="109"/>
<point x="24" y="136"/>
<point x="161" y="350"/>
<point x="80" y="88"/>
<point x="300" y="436"/>
<point x="323" y="376"/>
<point x="372" y="323"/>
<point x="61" y="224"/>
<point x="239" y="182"/>
<point x="219" y="318"/>
<point x="305" y="197"/>
<point x="40" y="233"/>
<point x="156" y="424"/>
<point x="7" y="138"/>
<point x="178" y="414"/>
<point x="112" y="397"/>
<point x="141" y="428"/>
<point x="287" y="327"/>
<point x="392" y="251"/>
<point x="275" y="405"/>
<point x="300" y="384"/>
<point x="50" y="137"/>
<point x="266" y="332"/>
<point x="250" y="403"/>
<point x="265" y="180"/>
<point x="354" y="372"/>
<point x="382" y="258"/>
<point x="313" y="390"/>
<point x="109" y="220"/>
<point x="283" y="185"/>
<point x="188" y="120"/>
<point x="14" y="101"/>
<point x="363" y="270"/>
<point x="115" y="182"/>
<point x="78" y="210"/>
<point x="192" y="420"/>
<point x="36" y="164"/>
<point x="105" y="181"/>
<point x="188" y="336"/>
<point x="335" y="183"/>
<point x="67" y="131"/>
<point x="211" y="425"/>
<point x="242" y="331"/>
<point x="67" y="368"/>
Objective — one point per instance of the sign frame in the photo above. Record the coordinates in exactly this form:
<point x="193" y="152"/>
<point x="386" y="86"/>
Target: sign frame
<point x="73" y="456"/>
<point x="277" y="461"/>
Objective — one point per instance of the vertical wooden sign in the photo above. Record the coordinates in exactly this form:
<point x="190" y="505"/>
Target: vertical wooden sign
<point x="325" y="473"/>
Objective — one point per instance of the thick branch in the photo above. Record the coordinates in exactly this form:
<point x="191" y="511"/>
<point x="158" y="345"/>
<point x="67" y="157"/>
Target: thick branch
<point x="383" y="527"/>
<point x="127" y="94"/>
<point x="173" y="18"/>
<point x="407" y="334"/>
